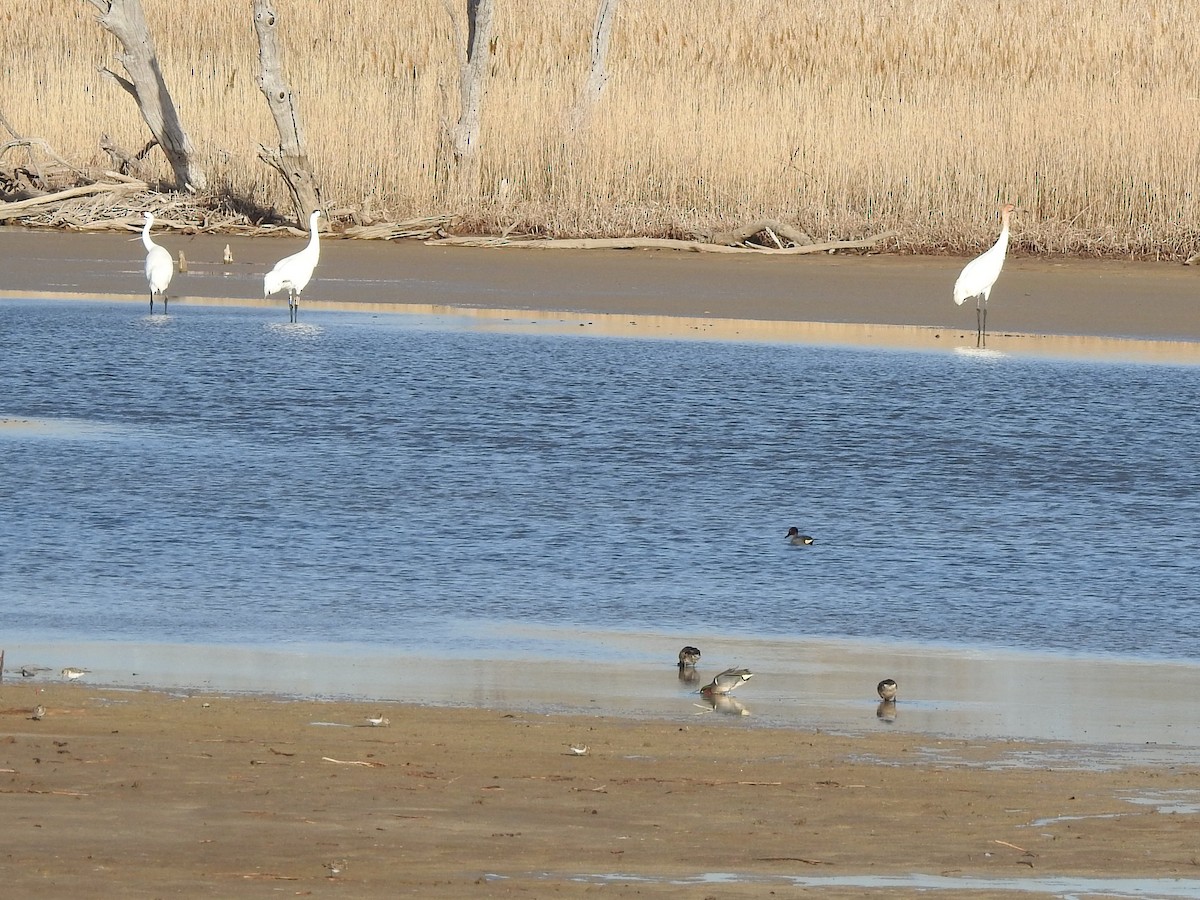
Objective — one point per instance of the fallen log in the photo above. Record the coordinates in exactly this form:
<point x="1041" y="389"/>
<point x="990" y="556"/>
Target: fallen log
<point x="770" y="227"/>
<point x="636" y="243"/>
<point x="427" y="227"/>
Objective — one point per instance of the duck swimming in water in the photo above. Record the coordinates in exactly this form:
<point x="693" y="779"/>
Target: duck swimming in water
<point x="795" y="537"/>
<point x="887" y="690"/>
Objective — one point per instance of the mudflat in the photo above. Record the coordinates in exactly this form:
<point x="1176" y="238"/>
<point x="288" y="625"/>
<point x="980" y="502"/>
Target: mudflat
<point x="142" y="793"/>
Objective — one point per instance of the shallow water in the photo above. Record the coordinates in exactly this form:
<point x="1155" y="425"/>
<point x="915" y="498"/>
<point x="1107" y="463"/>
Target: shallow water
<point x="419" y="485"/>
<point x="1067" y="887"/>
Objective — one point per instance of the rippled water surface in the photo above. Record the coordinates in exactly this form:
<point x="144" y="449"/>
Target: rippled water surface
<point x="217" y="475"/>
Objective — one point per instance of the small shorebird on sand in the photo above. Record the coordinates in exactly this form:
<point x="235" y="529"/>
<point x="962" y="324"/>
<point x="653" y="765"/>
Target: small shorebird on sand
<point x="727" y="681"/>
<point x="796" y="538"/>
<point x="378" y="721"/>
<point x="71" y="673"/>
<point x="38" y="712"/>
<point x="887" y="689"/>
<point x="689" y="656"/>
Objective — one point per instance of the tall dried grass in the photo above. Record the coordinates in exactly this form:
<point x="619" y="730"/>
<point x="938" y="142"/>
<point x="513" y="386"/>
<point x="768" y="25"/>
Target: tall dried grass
<point x="845" y="117"/>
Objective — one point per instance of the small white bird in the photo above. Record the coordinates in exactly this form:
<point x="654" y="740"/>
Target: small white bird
<point x="578" y="750"/>
<point x="727" y="681"/>
<point x="336" y="867"/>
<point x="795" y="537"/>
<point x="379" y="721"/>
<point x="38" y="712"/>
<point x="980" y="274"/>
<point x="159" y="267"/>
<point x="71" y="673"/>
<point x="227" y="256"/>
<point x="293" y="272"/>
<point x="887" y="690"/>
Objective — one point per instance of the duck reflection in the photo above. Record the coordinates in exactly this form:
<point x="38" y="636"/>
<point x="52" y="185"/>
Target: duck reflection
<point x="886" y="711"/>
<point x="723" y="703"/>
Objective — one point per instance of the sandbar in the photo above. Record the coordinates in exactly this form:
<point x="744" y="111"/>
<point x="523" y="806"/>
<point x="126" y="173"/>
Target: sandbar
<point x="1123" y="310"/>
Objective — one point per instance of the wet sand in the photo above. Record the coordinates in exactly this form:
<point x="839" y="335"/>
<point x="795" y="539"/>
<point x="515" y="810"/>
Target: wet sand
<point x="141" y="792"/>
<point x="1124" y="310"/>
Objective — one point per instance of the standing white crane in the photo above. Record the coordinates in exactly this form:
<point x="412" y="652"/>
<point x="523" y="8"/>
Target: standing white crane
<point x="293" y="272"/>
<point x="980" y="274"/>
<point x="159" y="267"/>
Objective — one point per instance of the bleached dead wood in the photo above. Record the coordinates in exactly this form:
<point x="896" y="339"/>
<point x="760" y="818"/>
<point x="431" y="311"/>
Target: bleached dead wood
<point x="426" y="228"/>
<point x="659" y="244"/>
<point x="606" y="15"/>
<point x="770" y="227"/>
<point x="290" y="158"/>
<point x="126" y="21"/>
<point x="24" y="207"/>
<point x="33" y="173"/>
<point x="122" y="160"/>
<point x="475" y="60"/>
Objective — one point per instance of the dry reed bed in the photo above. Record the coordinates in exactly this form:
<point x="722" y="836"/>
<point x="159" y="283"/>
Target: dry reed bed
<point x="845" y="117"/>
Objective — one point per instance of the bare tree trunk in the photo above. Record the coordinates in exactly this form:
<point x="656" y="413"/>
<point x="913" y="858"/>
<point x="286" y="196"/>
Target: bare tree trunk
<point x="127" y="23"/>
<point x="474" y="62"/>
<point x="606" y="15"/>
<point x="290" y="158"/>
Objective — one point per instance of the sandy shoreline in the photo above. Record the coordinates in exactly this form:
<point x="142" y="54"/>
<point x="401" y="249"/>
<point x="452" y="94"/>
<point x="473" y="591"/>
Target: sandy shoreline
<point x="1127" y="311"/>
<point x="143" y="793"/>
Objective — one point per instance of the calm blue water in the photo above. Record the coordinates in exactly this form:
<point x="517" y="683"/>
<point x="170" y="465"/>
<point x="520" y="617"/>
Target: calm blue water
<point x="409" y="482"/>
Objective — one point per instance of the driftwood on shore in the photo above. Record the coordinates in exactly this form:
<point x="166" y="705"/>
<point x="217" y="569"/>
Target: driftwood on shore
<point x="25" y="207"/>
<point x="428" y="228"/>
<point x="636" y="243"/>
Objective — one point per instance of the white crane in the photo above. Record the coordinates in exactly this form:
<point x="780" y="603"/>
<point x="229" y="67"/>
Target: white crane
<point x="293" y="272"/>
<point x="159" y="267"/>
<point x="980" y="274"/>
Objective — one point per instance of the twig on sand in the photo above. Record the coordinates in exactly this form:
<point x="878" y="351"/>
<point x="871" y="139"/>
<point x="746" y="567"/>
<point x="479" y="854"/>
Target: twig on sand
<point x="261" y="876"/>
<point x="1014" y="847"/>
<point x="353" y="762"/>
<point x="792" y="859"/>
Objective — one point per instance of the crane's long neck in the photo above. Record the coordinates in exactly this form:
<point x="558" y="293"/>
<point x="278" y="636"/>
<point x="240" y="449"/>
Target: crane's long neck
<point x="1002" y="241"/>
<point x="314" y="245"/>
<point x="146" y="242"/>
